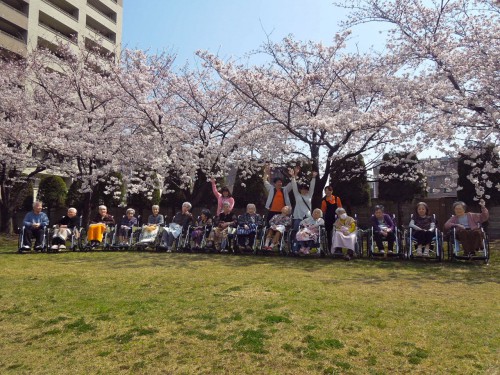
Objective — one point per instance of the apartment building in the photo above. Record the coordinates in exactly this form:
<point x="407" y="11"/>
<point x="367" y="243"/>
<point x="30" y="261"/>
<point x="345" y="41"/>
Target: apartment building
<point x="27" y="24"/>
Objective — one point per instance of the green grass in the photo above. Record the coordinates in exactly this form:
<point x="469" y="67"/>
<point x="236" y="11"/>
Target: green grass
<point x="125" y="312"/>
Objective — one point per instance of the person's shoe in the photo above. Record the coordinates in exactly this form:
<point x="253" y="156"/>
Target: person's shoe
<point x="426" y="252"/>
<point x="54" y="247"/>
<point x="419" y="251"/>
<point x="62" y="247"/>
<point x="25" y="247"/>
<point x="38" y="248"/>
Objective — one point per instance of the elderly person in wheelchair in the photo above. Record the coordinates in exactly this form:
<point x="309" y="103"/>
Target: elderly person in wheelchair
<point x="423" y="227"/>
<point x="64" y="229"/>
<point x="309" y="231"/>
<point x="468" y="226"/>
<point x="344" y="235"/>
<point x="34" y="224"/>
<point x="98" y="226"/>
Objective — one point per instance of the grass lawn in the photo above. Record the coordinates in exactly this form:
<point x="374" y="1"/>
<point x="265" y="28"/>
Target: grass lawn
<point x="88" y="313"/>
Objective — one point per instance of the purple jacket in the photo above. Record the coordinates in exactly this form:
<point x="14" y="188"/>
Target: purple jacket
<point x="388" y="221"/>
<point x="474" y="219"/>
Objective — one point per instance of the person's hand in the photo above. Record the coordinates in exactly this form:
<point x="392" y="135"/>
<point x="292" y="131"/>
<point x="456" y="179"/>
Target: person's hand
<point x="246" y="227"/>
<point x="212" y="179"/>
<point x="35" y="225"/>
<point x="388" y="230"/>
<point x="267" y="169"/>
<point x="296" y="169"/>
<point x="459" y="226"/>
<point x="482" y="203"/>
<point x="291" y="172"/>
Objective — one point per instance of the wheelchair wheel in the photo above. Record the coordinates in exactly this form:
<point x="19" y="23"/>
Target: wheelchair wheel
<point x="83" y="244"/>
<point x="359" y="244"/>
<point x="486" y="245"/>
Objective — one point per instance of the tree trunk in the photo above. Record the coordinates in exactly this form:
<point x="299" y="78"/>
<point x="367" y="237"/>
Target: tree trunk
<point x="87" y="207"/>
<point x="7" y="222"/>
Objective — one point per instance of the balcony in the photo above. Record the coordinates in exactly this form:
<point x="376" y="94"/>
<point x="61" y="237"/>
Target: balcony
<point x="103" y="10"/>
<point x="52" y="35"/>
<point x="13" y="44"/>
<point x="63" y="21"/>
<point x="13" y="15"/>
<point x="64" y="8"/>
<point x="101" y="40"/>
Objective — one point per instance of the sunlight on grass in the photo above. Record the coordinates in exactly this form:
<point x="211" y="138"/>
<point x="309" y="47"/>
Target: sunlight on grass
<point x="205" y="314"/>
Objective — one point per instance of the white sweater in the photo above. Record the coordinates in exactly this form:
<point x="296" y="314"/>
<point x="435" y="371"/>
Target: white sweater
<point x="302" y="209"/>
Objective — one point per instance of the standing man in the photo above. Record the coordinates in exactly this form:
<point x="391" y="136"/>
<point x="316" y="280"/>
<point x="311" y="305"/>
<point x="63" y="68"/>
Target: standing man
<point x="277" y="196"/>
<point x="34" y="223"/>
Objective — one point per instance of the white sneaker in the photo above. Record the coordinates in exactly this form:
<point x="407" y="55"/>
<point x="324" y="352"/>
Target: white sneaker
<point x="419" y="252"/>
<point x="26" y="247"/>
<point x="62" y="246"/>
<point x="426" y="252"/>
<point x="54" y="247"/>
<point x="382" y="252"/>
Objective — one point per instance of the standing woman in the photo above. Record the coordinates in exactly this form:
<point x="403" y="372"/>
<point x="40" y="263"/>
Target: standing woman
<point x="223" y="196"/>
<point x="303" y="197"/>
<point x="423" y="225"/>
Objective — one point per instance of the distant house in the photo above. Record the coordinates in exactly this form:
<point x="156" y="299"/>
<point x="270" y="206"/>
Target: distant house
<point x="441" y="177"/>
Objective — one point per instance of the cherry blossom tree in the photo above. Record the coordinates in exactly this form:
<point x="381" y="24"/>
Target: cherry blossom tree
<point x="218" y="122"/>
<point x="79" y="117"/>
<point x="320" y="102"/>
<point x="451" y="50"/>
<point x="20" y="140"/>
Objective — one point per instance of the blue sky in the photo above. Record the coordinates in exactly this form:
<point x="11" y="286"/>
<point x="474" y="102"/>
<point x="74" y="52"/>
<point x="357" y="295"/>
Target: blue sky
<point x="232" y="28"/>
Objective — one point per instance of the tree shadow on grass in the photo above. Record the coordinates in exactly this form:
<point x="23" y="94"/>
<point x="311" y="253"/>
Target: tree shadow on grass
<point x="444" y="272"/>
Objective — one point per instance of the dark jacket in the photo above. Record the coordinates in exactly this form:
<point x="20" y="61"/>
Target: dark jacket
<point x="107" y="219"/>
<point x="183" y="220"/>
<point x="388" y="221"/>
<point x="70" y="222"/>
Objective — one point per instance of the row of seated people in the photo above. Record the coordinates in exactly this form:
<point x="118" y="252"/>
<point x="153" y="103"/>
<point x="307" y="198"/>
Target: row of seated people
<point x="246" y="226"/>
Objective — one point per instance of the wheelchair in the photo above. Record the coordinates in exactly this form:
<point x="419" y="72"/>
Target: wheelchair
<point x="73" y="239"/>
<point x="283" y="247"/>
<point x="21" y="248"/>
<point x="244" y="243"/>
<point x="456" y="252"/>
<point x="130" y="238"/>
<point x="227" y="245"/>
<point x="147" y="239"/>
<point x="189" y="243"/>
<point x="436" y="251"/>
<point x="179" y="244"/>
<point x="319" y="248"/>
<point x="85" y="245"/>
<point x="357" y="252"/>
<point x="397" y="251"/>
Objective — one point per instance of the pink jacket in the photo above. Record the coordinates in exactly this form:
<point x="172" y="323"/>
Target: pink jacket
<point x="474" y="219"/>
<point x="221" y="199"/>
